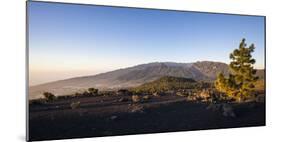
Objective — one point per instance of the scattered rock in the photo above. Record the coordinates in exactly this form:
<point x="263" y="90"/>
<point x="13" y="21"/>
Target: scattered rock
<point x="75" y="105"/>
<point x="156" y="94"/>
<point x="114" y="117"/>
<point x="228" y="111"/>
<point x="136" y="98"/>
<point x="179" y="94"/>
<point x="146" y="97"/>
<point x="123" y="100"/>
<point x="252" y="105"/>
<point x="260" y="98"/>
<point x="214" y="107"/>
<point x="191" y="98"/>
<point x="225" y="109"/>
<point x="136" y="108"/>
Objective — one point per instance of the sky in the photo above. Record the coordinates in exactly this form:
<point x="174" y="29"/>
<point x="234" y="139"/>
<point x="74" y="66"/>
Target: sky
<point x="67" y="40"/>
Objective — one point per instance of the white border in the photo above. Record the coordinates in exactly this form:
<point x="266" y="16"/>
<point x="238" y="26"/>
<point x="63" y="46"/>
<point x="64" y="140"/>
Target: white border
<point x="12" y="73"/>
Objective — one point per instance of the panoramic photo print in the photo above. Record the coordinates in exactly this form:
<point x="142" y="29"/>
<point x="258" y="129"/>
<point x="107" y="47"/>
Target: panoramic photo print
<point x="105" y="71"/>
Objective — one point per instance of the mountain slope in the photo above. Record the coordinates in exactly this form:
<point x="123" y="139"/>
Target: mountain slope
<point x="132" y="77"/>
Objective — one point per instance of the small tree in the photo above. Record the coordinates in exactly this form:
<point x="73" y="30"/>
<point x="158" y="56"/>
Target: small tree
<point x="240" y="82"/>
<point x="49" y="96"/>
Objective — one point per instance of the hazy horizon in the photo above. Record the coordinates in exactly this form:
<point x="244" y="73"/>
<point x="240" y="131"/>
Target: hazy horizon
<point x="67" y="41"/>
<point x="91" y="73"/>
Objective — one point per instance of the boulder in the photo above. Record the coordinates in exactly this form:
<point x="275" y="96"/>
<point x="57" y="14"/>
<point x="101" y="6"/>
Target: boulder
<point x="180" y="94"/>
<point x="146" y="97"/>
<point x="155" y="94"/>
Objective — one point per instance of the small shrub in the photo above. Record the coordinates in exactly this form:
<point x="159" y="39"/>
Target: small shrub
<point x="93" y="91"/>
<point x="77" y="94"/>
<point x="64" y="97"/>
<point x="204" y="94"/>
<point x="75" y="105"/>
<point x="85" y="93"/>
<point x="49" y="96"/>
<point x="108" y="93"/>
<point x="123" y="92"/>
<point x="135" y="98"/>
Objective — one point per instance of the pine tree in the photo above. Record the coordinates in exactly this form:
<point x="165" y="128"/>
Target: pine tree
<point x="240" y="82"/>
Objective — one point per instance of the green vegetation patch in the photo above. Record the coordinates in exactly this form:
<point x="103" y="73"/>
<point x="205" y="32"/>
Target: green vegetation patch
<point x="168" y="83"/>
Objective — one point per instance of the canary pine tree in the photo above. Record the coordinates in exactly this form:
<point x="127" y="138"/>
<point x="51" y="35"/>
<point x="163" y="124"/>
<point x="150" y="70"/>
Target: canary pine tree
<point x="240" y="82"/>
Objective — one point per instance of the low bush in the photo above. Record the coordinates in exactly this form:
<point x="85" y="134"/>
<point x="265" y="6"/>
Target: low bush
<point x="93" y="91"/>
<point x="64" y="97"/>
<point x="49" y="96"/>
<point x="123" y="92"/>
<point x="205" y="94"/>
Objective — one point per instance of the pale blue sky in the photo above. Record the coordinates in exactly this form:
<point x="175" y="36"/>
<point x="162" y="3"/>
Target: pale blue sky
<point x="73" y="40"/>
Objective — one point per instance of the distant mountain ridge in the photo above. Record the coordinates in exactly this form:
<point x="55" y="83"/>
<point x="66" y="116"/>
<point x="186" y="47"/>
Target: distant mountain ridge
<point x="134" y="76"/>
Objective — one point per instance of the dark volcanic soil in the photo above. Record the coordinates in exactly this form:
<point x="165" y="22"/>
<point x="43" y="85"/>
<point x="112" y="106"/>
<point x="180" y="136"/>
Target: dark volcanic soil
<point x="107" y="116"/>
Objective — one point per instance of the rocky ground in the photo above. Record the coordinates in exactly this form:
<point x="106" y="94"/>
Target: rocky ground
<point x="119" y="115"/>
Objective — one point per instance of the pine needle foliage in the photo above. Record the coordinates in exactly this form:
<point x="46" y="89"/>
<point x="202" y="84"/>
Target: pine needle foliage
<point x="240" y="82"/>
